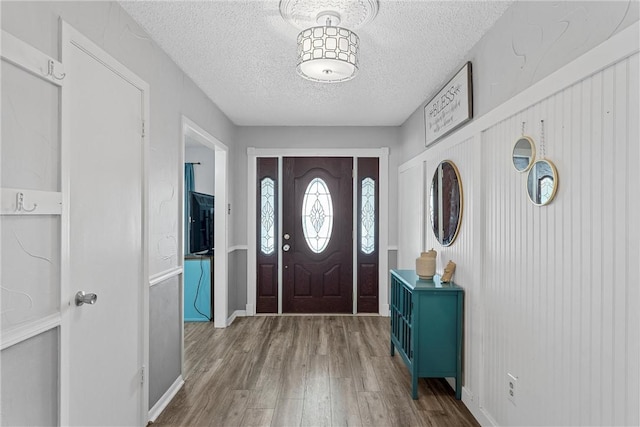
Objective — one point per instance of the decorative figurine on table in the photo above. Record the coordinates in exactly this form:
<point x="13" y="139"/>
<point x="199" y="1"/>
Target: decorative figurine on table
<point x="426" y="265"/>
<point x="448" y="272"/>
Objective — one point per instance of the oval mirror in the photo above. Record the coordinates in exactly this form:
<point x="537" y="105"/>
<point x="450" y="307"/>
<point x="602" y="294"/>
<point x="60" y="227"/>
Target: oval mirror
<point x="445" y="203"/>
<point x="542" y="182"/>
<point x="524" y="151"/>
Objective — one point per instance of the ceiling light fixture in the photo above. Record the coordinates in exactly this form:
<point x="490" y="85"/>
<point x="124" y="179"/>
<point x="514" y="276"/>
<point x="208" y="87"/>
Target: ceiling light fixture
<point x="327" y="49"/>
<point x="328" y="53"/>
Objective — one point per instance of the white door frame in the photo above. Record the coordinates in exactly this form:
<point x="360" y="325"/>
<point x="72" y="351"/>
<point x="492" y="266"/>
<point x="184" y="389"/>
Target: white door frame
<point x="383" y="242"/>
<point x="221" y="241"/>
<point x="70" y="36"/>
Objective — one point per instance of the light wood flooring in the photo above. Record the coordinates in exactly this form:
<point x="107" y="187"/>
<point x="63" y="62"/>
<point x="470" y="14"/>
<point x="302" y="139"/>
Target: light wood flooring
<point x="304" y="371"/>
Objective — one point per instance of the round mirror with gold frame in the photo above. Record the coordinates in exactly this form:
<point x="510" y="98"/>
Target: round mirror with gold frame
<point x="445" y="202"/>
<point x="542" y="182"/>
<point x="524" y="152"/>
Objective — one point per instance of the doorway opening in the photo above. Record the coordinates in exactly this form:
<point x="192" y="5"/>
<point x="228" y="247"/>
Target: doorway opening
<point x="204" y="232"/>
<point x="308" y="256"/>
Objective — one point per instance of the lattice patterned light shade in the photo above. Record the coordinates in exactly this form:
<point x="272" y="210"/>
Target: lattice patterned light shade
<point x="328" y="54"/>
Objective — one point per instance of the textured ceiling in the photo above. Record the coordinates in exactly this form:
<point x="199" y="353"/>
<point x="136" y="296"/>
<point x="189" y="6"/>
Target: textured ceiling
<point x="242" y="54"/>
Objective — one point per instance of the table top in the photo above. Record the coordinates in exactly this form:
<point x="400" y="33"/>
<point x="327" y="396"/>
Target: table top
<point x="411" y="279"/>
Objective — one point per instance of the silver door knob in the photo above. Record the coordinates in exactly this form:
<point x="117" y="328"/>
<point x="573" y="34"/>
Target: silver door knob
<point x="82" y="298"/>
<point x="286" y="248"/>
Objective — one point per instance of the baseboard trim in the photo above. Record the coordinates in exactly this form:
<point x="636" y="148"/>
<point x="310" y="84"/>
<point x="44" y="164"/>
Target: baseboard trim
<point x="165" y="399"/>
<point x="250" y="310"/>
<point x="483" y="418"/>
<point x="237" y="313"/>
<point x="384" y="310"/>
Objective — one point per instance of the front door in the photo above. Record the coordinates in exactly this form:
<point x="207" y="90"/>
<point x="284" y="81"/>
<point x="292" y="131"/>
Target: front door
<point x="317" y="235"/>
<point x="103" y="108"/>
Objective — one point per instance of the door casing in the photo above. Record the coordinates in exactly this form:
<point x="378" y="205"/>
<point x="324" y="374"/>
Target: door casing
<point x="382" y="154"/>
<point x="221" y="275"/>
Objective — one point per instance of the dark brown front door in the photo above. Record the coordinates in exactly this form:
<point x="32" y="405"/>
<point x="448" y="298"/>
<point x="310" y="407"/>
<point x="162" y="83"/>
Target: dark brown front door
<point x="317" y="235"/>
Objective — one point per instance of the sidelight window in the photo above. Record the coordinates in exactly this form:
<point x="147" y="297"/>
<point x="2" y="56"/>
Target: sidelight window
<point x="267" y="219"/>
<point x="317" y="215"/>
<point x="368" y="216"/>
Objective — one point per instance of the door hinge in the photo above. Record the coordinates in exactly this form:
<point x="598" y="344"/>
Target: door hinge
<point x="143" y="133"/>
<point x="142" y="374"/>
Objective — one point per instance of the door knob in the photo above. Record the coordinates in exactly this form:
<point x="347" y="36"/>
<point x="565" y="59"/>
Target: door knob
<point x="82" y="298"/>
<point x="286" y="248"/>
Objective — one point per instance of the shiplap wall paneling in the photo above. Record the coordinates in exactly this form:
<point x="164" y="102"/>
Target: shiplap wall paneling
<point x="410" y="213"/>
<point x="561" y="298"/>
<point x="461" y="250"/>
<point x="633" y="242"/>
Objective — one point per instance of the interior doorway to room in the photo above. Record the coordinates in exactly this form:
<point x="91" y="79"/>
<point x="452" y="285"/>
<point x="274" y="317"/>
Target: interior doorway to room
<point x="317" y="221"/>
<point x="204" y="224"/>
<point x="199" y="230"/>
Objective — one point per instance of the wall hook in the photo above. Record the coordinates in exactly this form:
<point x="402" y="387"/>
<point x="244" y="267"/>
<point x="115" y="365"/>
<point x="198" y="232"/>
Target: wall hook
<point x="20" y="204"/>
<point x="51" y="71"/>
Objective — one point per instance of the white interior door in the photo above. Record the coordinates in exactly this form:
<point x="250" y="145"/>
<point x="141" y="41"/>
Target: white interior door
<point x="103" y="117"/>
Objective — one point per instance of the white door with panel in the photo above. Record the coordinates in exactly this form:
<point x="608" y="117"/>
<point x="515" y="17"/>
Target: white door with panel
<point x="103" y="113"/>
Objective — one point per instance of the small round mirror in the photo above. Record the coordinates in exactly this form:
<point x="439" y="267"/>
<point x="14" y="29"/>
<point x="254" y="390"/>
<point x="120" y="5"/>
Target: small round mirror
<point x="445" y="203"/>
<point x="524" y="151"/>
<point x="542" y="182"/>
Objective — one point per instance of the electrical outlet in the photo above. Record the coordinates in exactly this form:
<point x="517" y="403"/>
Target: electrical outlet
<point x="512" y="389"/>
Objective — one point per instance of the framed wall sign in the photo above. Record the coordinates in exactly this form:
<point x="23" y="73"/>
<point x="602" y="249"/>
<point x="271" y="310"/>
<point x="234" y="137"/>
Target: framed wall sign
<point x="451" y="107"/>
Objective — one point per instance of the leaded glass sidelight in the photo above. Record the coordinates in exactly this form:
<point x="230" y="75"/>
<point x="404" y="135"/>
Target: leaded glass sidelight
<point x="317" y="215"/>
<point x="267" y="216"/>
<point x="368" y="216"/>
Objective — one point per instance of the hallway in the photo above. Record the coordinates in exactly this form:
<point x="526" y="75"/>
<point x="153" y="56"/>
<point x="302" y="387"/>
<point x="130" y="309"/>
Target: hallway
<point x="303" y="370"/>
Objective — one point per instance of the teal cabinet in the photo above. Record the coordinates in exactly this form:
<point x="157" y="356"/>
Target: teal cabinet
<point x="426" y="327"/>
<point x="198" y="288"/>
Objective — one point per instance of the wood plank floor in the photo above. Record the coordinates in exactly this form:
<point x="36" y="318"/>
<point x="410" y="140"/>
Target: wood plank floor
<point x="304" y="371"/>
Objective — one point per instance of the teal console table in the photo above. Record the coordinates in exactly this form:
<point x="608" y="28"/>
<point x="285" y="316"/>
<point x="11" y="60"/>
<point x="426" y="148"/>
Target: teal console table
<point x="426" y="327"/>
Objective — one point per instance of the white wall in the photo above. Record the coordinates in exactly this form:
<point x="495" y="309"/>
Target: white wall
<point x="205" y="172"/>
<point x="304" y="138"/>
<point x="565" y="275"/>
<point x="172" y="95"/>
<point x="310" y="137"/>
<point x="529" y="42"/>
<point x="550" y="292"/>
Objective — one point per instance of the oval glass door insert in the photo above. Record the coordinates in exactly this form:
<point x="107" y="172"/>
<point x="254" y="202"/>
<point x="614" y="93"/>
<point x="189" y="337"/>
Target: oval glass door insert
<point x="317" y="215"/>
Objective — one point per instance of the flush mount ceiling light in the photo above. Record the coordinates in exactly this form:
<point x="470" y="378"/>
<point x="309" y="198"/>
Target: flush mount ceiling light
<point x="328" y="52"/>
